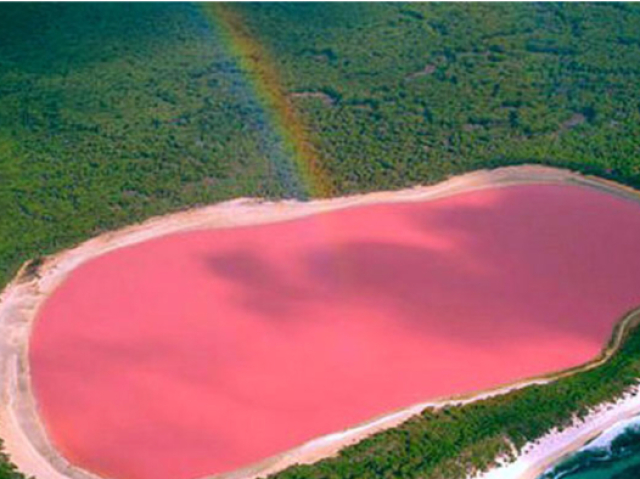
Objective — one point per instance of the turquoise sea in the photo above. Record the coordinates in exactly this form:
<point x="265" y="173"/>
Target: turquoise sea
<point x="614" y="455"/>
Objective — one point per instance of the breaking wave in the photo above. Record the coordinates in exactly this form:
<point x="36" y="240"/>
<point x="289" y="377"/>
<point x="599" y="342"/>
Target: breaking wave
<point x="615" y="454"/>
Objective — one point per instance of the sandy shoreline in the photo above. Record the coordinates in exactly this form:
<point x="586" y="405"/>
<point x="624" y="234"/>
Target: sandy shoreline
<point x="24" y="435"/>
<point x="540" y="456"/>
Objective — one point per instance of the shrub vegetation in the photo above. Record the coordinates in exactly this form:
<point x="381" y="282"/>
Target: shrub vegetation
<point x="111" y="113"/>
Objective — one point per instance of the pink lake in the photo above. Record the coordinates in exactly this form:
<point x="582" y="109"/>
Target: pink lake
<point x="202" y="352"/>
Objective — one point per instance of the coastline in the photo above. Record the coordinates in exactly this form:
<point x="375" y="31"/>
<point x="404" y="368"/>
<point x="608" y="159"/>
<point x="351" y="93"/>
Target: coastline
<point x="25" y="437"/>
<point x="538" y="457"/>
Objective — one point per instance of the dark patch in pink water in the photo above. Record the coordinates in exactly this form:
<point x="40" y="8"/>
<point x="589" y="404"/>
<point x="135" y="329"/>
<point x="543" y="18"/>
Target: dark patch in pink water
<point x="203" y="352"/>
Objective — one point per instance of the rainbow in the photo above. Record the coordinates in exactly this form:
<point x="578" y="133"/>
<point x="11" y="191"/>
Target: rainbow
<point x="262" y="77"/>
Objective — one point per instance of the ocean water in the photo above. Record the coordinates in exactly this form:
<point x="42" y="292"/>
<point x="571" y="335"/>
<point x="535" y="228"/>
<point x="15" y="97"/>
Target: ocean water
<point x="613" y="455"/>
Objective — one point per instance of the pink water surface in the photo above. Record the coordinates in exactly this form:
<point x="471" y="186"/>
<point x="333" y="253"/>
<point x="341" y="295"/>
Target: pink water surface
<point x="201" y="352"/>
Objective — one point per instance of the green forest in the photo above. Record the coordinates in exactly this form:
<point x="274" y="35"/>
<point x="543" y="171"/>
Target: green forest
<point x="416" y="92"/>
<point x="7" y="469"/>
<point x="112" y="113"/>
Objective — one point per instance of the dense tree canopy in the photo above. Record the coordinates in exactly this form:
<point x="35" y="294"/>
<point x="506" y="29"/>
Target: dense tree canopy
<point x="111" y="113"/>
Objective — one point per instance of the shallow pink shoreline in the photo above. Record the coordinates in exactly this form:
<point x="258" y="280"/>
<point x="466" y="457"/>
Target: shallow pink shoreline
<point x="206" y="351"/>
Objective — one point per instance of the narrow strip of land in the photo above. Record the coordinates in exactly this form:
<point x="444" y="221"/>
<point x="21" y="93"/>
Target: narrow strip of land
<point x="548" y="451"/>
<point x="20" y="427"/>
